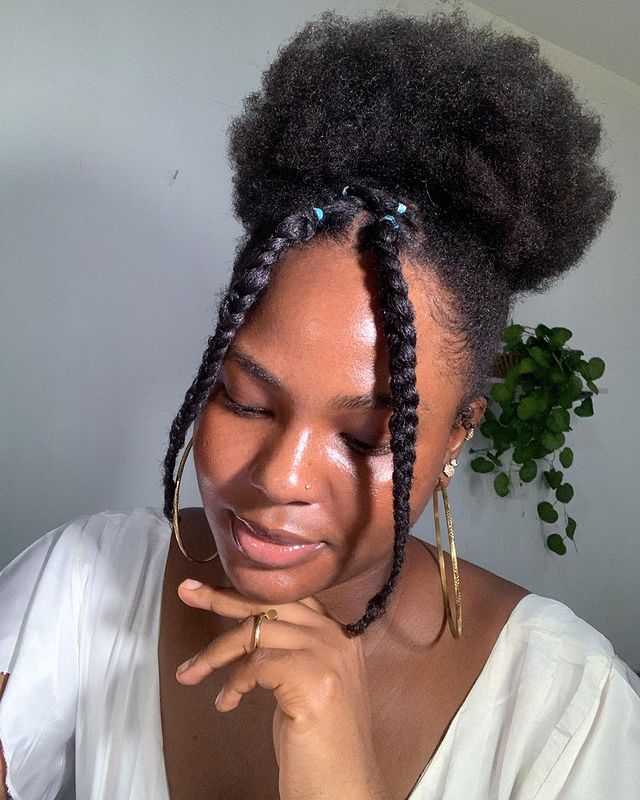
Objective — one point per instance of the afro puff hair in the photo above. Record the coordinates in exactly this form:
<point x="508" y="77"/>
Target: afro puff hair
<point x="471" y="127"/>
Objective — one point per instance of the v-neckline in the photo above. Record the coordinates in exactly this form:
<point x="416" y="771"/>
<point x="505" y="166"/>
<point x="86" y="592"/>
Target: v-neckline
<point x="475" y="690"/>
<point x="470" y="697"/>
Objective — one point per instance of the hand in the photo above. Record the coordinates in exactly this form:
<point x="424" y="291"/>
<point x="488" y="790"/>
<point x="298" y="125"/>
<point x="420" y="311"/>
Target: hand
<point x="322" y="726"/>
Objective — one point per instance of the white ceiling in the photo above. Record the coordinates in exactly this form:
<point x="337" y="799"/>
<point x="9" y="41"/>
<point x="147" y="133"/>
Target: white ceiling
<point x="606" y="32"/>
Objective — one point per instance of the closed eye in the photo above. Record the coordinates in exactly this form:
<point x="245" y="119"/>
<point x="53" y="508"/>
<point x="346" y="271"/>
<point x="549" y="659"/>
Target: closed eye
<point x="363" y="448"/>
<point x="242" y="411"/>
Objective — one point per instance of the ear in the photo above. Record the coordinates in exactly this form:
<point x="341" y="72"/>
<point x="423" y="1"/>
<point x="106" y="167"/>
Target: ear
<point x="474" y="413"/>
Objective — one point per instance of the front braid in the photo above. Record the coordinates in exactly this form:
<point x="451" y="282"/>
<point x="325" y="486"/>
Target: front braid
<point x="398" y="326"/>
<point x="252" y="274"/>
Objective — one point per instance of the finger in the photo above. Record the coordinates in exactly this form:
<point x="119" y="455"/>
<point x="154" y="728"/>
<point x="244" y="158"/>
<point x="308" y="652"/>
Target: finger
<point x="228" y="602"/>
<point x="315" y="605"/>
<point x="266" y="668"/>
<point x="238" y="642"/>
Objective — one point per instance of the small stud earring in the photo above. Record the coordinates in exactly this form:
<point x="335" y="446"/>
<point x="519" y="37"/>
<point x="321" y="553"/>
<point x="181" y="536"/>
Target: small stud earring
<point x="450" y="468"/>
<point x="307" y="486"/>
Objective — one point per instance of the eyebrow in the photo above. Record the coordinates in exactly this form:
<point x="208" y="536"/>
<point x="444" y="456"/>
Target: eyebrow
<point x="342" y="401"/>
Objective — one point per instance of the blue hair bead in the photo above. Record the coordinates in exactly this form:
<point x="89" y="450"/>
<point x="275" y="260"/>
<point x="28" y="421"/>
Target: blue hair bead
<point x="401" y="208"/>
<point x="391" y="219"/>
<point x="319" y="213"/>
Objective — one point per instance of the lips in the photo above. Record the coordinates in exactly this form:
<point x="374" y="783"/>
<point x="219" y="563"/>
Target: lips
<point x="272" y="548"/>
<point x="277" y="534"/>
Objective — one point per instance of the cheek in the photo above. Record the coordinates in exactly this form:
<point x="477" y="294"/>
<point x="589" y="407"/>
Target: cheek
<point x="426" y="471"/>
<point x="221" y="449"/>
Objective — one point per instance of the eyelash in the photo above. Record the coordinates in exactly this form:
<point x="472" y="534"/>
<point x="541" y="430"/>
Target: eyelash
<point x="360" y="447"/>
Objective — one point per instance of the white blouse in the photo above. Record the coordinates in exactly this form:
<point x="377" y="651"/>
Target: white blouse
<point x="555" y="713"/>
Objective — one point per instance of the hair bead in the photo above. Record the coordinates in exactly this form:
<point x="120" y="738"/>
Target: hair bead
<point x="390" y="218"/>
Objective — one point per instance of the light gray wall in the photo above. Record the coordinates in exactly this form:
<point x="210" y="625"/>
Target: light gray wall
<point x="116" y="234"/>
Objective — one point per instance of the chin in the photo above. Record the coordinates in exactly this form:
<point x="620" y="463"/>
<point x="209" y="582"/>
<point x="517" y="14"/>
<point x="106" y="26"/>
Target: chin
<point x="272" y="585"/>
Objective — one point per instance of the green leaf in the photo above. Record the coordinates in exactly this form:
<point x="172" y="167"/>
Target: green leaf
<point x="512" y="379"/>
<point x="495" y="459"/>
<point x="571" y="527"/>
<point x="596" y="368"/>
<point x="527" y="407"/>
<point x="538" y="450"/>
<point x="559" y="336"/>
<point x="566" y="457"/>
<point x="552" y="441"/>
<point x="542" y="331"/>
<point x="500" y="393"/>
<point x="559" y="420"/>
<point x="540" y="357"/>
<point x="564" y="492"/>
<point x="543" y="399"/>
<point x="490" y="428"/>
<point x="526" y="365"/>
<point x="512" y="334"/>
<point x="481" y="464"/>
<point x="522" y="454"/>
<point x="501" y="484"/>
<point x="547" y="512"/>
<point x="553" y="477"/>
<point x="528" y="471"/>
<point x="570" y="392"/>
<point x="585" y="409"/>
<point x="556" y="544"/>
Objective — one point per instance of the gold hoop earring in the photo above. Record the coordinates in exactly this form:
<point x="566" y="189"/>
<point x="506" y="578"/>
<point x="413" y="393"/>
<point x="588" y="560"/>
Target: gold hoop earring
<point x="456" y="629"/>
<point x="174" y="511"/>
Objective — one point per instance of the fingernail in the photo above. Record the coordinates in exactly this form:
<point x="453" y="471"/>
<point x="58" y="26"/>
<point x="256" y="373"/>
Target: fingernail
<point x="185" y="665"/>
<point x="217" y="700"/>
<point x="190" y="583"/>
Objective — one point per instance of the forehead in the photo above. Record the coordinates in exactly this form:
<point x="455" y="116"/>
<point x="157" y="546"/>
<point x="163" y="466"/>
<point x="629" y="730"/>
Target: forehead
<point x="320" y="321"/>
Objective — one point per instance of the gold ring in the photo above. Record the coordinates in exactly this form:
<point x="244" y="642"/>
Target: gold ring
<point x="270" y="614"/>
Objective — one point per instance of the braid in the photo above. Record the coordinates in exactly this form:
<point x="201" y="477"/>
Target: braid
<point x="251" y="275"/>
<point x="400" y="334"/>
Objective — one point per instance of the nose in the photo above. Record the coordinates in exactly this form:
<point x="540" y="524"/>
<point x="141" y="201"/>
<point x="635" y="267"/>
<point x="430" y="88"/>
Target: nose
<point x="283" y="469"/>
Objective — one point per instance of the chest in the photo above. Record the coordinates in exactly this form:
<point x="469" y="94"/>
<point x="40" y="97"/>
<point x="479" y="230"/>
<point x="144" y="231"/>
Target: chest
<point x="211" y="754"/>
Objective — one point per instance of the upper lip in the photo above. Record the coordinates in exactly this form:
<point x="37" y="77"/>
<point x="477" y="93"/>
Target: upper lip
<point x="279" y="535"/>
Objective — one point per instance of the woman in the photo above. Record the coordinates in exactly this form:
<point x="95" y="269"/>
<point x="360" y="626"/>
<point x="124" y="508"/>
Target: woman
<point x="400" y="181"/>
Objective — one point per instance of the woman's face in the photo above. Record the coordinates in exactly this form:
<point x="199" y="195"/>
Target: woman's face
<point x="294" y="438"/>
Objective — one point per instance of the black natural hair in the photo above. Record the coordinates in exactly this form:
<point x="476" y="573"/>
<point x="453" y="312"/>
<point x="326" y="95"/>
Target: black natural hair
<point x="473" y="130"/>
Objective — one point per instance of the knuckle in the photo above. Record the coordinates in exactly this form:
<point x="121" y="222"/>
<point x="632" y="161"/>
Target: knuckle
<point x="328" y="684"/>
<point x="258" y="656"/>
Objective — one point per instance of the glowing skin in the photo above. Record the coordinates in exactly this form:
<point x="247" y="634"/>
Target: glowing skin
<point x="317" y="331"/>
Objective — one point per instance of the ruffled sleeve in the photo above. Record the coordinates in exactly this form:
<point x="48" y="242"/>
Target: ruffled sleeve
<point x="39" y="651"/>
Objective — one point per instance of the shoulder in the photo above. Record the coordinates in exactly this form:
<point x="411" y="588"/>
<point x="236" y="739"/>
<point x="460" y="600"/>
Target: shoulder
<point x="80" y="604"/>
<point x="556" y="706"/>
<point x="105" y="552"/>
<point x="122" y="536"/>
<point x="110" y="531"/>
<point x="581" y="732"/>
<point x="487" y="600"/>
